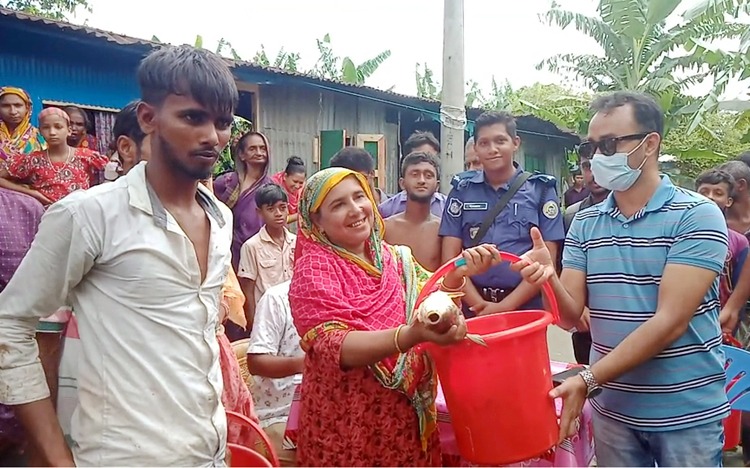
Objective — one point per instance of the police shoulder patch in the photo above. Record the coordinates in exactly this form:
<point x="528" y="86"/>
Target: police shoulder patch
<point x="459" y="180"/>
<point x="455" y="206"/>
<point x="543" y="178"/>
<point x="551" y="209"/>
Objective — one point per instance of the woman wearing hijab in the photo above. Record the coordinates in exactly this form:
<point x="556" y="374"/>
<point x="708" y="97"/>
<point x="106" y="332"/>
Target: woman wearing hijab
<point x="368" y="395"/>
<point x="17" y="135"/>
<point x="237" y="188"/>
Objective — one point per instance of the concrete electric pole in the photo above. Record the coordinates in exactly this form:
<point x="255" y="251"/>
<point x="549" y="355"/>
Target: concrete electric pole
<point x="452" y="107"/>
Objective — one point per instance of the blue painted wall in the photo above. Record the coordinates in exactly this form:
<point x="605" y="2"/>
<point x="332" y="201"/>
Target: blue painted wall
<point x="66" y="68"/>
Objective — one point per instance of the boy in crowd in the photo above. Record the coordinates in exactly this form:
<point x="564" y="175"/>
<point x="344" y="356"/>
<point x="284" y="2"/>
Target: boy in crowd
<point x="718" y="186"/>
<point x="417" y="227"/>
<point x="267" y="258"/>
<point x="130" y="144"/>
<point x="276" y="361"/>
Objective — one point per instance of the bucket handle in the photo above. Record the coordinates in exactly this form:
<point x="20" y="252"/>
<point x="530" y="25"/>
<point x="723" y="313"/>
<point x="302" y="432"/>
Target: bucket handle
<point x="431" y="284"/>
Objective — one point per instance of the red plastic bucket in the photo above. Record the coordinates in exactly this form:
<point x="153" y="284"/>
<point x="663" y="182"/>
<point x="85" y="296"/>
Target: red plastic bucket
<point x="732" y="429"/>
<point x="498" y="396"/>
<point x="732" y="423"/>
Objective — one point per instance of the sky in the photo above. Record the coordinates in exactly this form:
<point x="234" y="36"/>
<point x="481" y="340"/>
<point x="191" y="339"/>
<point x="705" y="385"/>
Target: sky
<point x="503" y="39"/>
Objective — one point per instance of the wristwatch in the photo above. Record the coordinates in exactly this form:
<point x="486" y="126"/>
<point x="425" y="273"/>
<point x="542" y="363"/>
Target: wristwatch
<point x="592" y="386"/>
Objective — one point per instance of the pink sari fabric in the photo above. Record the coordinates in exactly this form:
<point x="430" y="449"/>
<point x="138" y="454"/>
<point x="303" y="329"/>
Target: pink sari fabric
<point x="236" y="396"/>
<point x="316" y="294"/>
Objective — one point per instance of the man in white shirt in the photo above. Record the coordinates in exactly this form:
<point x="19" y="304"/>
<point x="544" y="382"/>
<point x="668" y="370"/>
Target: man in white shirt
<point x="275" y="360"/>
<point x="142" y="261"/>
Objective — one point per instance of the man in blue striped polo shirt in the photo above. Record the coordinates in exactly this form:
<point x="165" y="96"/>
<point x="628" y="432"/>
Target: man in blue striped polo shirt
<point x="646" y="261"/>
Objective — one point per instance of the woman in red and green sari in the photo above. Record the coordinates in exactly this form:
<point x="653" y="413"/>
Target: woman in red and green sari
<point x="368" y="395"/>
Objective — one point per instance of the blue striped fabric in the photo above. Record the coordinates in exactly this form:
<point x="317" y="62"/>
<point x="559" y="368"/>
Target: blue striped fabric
<point x="683" y="386"/>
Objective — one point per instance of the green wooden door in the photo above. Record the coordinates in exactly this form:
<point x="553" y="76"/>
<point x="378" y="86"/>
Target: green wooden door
<point x="535" y="163"/>
<point x="331" y="141"/>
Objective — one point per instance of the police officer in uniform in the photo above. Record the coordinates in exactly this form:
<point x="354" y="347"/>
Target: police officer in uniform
<point x="476" y="193"/>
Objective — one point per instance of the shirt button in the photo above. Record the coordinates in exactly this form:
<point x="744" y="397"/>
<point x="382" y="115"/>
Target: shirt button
<point x="626" y="225"/>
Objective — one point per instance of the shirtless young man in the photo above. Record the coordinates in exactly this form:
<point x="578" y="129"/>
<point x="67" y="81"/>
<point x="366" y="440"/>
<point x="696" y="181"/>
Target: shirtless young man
<point x="416" y="227"/>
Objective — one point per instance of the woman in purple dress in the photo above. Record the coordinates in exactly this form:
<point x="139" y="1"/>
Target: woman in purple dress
<point x="237" y="188"/>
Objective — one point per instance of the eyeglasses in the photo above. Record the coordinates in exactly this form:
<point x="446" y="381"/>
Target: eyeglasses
<point x="607" y="146"/>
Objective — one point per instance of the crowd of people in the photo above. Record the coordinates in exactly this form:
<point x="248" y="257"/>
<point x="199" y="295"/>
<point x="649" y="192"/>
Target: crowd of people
<point x="125" y="278"/>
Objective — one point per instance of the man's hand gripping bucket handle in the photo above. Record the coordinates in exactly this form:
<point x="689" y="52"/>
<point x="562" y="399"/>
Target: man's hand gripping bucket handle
<point x="459" y="261"/>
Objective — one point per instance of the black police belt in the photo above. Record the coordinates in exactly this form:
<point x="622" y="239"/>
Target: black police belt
<point x="495" y="294"/>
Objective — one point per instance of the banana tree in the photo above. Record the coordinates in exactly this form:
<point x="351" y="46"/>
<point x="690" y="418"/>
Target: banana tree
<point x="284" y="60"/>
<point x="640" y="52"/>
<point x="333" y="67"/>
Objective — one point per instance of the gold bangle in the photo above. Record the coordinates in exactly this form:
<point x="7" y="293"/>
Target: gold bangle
<point x="395" y="339"/>
<point x="458" y="289"/>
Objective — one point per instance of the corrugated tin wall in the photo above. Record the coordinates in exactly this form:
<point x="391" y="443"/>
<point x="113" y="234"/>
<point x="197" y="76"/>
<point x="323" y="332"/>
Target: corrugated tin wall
<point x="291" y="117"/>
<point x="63" y="78"/>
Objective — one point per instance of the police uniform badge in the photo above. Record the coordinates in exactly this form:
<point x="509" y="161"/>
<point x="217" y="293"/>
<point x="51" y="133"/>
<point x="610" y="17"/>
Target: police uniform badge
<point x="473" y="232"/>
<point x="551" y="210"/>
<point x="454" y="207"/>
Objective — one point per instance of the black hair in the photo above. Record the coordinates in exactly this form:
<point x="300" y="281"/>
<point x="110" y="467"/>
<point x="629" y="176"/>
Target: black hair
<point x="490" y="118"/>
<point x="417" y="158"/>
<point x="648" y="114"/>
<point x="187" y="71"/>
<point x="586" y="164"/>
<point x="744" y="157"/>
<point x="295" y="165"/>
<point x="418" y="139"/>
<point x="737" y="169"/>
<point x="715" y="177"/>
<point x="355" y="159"/>
<point x="126" y="124"/>
<point x="269" y="195"/>
<point x="86" y="121"/>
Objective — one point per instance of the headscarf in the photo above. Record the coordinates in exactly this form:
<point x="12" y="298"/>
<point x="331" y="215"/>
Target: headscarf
<point x="239" y="167"/>
<point x="25" y="138"/>
<point x="315" y="191"/>
<point x="332" y="289"/>
<point x="54" y="111"/>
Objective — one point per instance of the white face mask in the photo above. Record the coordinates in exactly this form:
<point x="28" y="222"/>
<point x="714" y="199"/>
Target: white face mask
<point x="613" y="172"/>
<point x="110" y="171"/>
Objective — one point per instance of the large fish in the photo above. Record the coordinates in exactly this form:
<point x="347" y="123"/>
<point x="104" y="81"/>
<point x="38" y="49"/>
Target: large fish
<point x="438" y="311"/>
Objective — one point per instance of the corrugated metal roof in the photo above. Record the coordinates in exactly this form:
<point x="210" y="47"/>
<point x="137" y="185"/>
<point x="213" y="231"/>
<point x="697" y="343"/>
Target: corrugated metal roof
<point x="121" y="39"/>
<point x="386" y="97"/>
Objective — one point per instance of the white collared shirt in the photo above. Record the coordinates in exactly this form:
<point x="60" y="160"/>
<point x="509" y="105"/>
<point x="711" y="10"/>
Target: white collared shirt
<point x="274" y="334"/>
<point x="150" y="383"/>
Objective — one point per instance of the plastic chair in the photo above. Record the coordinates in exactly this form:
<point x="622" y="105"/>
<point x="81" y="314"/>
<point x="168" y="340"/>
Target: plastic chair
<point x="738" y="380"/>
<point x="245" y="457"/>
<point x="244" y="421"/>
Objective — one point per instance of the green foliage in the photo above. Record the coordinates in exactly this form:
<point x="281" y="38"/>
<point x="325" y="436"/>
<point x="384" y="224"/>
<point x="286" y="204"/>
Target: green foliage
<point x="427" y="86"/>
<point x="641" y="53"/>
<point x="718" y="138"/>
<point x="284" y="60"/>
<point x="332" y="67"/>
<point x="53" y="9"/>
